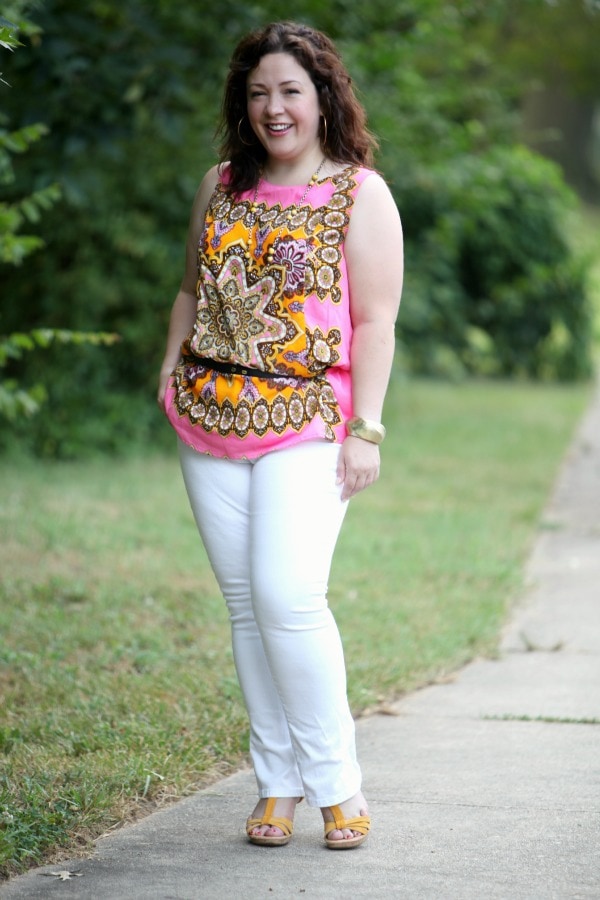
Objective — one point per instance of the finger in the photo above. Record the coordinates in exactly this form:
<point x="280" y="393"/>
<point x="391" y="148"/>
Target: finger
<point x="355" y="483"/>
<point x="350" y="486"/>
<point x="340" y="472"/>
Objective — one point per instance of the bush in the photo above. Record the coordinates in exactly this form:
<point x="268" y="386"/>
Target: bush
<point x="130" y="94"/>
<point x="492" y="284"/>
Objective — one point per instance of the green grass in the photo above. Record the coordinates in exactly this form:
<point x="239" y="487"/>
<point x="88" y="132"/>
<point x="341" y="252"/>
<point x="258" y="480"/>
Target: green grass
<point x="591" y="226"/>
<point x="117" y="688"/>
<point x="583" y="230"/>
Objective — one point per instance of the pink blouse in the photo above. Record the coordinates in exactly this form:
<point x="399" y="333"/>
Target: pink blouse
<point x="273" y="297"/>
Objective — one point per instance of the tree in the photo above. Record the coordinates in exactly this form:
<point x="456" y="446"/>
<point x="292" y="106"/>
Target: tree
<point x="131" y="94"/>
<point x="15" y="246"/>
<point x="555" y="48"/>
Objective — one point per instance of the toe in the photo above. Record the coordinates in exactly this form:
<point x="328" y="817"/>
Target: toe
<point x="336" y="835"/>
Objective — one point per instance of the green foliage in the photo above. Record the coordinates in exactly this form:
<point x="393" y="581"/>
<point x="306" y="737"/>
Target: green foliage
<point x="14" y="246"/>
<point x="556" y="41"/>
<point x="432" y="84"/>
<point x="131" y="92"/>
<point x="16" y="401"/>
<point x="127" y="143"/>
<point x="494" y="288"/>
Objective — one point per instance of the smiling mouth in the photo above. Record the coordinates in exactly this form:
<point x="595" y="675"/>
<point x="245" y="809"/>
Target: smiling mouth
<point x="278" y="129"/>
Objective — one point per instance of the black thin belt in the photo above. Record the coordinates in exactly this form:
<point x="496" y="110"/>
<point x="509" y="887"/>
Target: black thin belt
<point x="236" y="369"/>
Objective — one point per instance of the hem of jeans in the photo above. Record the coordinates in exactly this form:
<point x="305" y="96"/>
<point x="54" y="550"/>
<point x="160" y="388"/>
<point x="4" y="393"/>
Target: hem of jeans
<point x="280" y="793"/>
<point x="333" y="799"/>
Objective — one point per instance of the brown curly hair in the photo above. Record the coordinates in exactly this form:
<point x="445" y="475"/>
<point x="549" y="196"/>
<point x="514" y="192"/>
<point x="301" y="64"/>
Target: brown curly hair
<point x="346" y="138"/>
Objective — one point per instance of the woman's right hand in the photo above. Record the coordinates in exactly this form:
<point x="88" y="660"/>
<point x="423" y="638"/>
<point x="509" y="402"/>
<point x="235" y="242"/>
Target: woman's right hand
<point x="358" y="465"/>
<point x="163" y="383"/>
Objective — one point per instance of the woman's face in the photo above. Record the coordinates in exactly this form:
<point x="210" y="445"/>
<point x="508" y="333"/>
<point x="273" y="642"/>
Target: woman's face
<point x="283" y="108"/>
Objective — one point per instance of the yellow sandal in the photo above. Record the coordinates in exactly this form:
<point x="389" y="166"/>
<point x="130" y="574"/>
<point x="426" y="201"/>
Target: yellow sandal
<point x="285" y="825"/>
<point x="361" y="824"/>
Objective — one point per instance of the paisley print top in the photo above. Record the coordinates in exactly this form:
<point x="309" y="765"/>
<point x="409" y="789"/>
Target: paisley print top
<point x="285" y="313"/>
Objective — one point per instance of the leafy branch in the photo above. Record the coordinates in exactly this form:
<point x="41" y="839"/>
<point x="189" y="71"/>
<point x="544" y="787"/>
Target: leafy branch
<point x="17" y="401"/>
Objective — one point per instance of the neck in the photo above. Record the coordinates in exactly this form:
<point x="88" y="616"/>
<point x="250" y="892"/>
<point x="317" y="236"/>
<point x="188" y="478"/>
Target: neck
<point x="290" y="173"/>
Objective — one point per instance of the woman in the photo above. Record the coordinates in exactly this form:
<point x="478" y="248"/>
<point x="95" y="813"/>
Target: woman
<point x="278" y="357"/>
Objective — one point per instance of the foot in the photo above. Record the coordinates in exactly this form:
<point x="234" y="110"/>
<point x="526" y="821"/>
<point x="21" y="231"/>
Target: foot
<point x="355" y="806"/>
<point x="284" y="808"/>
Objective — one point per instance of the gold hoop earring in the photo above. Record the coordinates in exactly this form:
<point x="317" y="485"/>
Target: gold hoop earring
<point x="324" y="138"/>
<point x="242" y="141"/>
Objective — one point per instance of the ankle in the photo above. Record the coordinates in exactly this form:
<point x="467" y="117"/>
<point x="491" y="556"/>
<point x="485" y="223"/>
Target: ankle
<point x="353" y="806"/>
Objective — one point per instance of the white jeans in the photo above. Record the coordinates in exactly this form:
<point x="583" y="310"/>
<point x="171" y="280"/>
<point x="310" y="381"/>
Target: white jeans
<point x="269" y="527"/>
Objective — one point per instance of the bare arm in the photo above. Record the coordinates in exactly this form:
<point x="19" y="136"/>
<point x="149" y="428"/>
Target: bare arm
<point x="183" y="313"/>
<point x="374" y="253"/>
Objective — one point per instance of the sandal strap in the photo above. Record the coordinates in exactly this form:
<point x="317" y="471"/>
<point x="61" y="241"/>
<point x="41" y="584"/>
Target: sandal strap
<point x="362" y="824"/>
<point x="285" y="825"/>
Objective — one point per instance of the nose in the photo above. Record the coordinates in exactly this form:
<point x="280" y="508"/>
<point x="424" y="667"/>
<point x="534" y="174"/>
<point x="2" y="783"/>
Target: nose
<point x="274" y="104"/>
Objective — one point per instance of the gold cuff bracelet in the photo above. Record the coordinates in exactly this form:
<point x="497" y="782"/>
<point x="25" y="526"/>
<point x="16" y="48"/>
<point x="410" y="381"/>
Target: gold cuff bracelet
<point x="365" y="429"/>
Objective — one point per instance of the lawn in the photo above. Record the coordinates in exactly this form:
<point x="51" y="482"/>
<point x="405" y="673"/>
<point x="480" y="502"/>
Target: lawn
<point x="117" y="688"/>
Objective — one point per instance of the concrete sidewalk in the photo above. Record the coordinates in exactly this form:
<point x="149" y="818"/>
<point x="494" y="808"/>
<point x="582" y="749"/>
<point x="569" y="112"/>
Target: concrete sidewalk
<point x="487" y="786"/>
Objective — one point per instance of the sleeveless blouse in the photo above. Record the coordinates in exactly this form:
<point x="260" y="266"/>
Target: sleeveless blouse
<point x="284" y="313"/>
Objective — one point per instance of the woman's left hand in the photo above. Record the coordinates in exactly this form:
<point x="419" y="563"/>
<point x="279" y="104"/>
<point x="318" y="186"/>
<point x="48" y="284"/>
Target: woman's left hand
<point x="358" y="465"/>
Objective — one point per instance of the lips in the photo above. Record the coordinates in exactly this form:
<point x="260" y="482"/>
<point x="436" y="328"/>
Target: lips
<point x="277" y="128"/>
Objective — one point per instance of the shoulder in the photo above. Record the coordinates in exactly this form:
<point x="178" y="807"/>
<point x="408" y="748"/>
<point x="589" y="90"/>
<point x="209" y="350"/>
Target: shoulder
<point x="375" y="215"/>
<point x="211" y="179"/>
<point x="368" y="187"/>
<point x="204" y="192"/>
<point x="374" y="195"/>
<point x="372" y="185"/>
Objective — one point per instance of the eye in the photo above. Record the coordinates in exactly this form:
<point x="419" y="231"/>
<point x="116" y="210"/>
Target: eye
<point x="255" y="94"/>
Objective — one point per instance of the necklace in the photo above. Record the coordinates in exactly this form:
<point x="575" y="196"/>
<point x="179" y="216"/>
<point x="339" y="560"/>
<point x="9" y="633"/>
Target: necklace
<point x="287" y="219"/>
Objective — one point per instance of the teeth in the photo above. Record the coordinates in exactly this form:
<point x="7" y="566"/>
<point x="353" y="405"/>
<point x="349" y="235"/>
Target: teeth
<point x="278" y="127"/>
